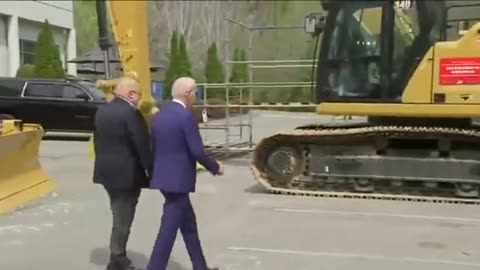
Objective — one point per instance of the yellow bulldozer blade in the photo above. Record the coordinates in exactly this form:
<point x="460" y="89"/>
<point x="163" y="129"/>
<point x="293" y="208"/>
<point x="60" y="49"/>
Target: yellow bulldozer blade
<point x="22" y="178"/>
<point x="91" y="153"/>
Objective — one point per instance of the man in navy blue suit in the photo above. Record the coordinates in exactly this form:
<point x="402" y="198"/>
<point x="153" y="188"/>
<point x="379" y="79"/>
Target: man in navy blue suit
<point x="177" y="147"/>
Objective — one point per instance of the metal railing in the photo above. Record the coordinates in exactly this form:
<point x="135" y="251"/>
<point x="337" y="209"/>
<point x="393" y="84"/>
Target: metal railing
<point x="245" y="98"/>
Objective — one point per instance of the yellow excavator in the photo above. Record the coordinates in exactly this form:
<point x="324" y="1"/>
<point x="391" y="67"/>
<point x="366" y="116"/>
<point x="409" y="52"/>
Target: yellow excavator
<point x="404" y="67"/>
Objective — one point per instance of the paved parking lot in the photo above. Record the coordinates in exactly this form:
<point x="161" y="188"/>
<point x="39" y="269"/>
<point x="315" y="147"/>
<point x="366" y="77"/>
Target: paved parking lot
<point x="241" y="227"/>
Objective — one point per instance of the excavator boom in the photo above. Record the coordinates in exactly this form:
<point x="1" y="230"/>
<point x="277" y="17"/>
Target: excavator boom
<point x="129" y="25"/>
<point x="128" y="21"/>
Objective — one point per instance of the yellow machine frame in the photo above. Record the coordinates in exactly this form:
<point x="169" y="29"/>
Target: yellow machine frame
<point x="417" y="99"/>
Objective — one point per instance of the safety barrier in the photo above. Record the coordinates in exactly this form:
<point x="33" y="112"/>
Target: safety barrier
<point x="22" y="178"/>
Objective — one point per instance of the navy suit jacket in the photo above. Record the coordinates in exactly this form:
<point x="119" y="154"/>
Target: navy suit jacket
<point x="177" y="146"/>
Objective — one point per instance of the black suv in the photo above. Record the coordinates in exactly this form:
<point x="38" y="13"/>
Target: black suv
<point x="67" y="105"/>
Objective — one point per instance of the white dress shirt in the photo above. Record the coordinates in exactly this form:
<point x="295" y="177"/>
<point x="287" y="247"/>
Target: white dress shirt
<point x="180" y="102"/>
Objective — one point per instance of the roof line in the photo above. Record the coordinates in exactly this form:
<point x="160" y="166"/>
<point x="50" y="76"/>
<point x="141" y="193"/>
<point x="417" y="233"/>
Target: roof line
<point x="54" y="6"/>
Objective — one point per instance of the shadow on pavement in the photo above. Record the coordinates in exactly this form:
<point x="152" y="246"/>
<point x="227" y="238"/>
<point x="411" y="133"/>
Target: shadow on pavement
<point x="257" y="189"/>
<point x="173" y="265"/>
<point x="100" y="256"/>
<point x="238" y="162"/>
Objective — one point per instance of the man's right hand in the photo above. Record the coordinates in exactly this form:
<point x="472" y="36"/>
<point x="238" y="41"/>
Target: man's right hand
<point x="220" y="169"/>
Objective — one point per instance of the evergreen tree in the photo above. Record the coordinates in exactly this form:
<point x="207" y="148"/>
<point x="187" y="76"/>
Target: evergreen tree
<point x="26" y="71"/>
<point x="243" y="69"/>
<point x="184" y="66"/>
<point x="234" y="77"/>
<point x="171" y="72"/>
<point x="47" y="57"/>
<point x="239" y="70"/>
<point x="214" y="72"/>
<point x="179" y="64"/>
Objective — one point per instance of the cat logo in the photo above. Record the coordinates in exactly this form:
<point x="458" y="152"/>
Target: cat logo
<point x="403" y="4"/>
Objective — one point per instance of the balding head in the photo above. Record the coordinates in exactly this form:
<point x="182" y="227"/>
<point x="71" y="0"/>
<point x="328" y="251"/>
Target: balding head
<point x="184" y="89"/>
<point x="128" y="88"/>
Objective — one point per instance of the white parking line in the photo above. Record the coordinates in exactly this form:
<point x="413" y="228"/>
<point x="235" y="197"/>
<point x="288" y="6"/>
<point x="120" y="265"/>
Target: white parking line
<point x="353" y="256"/>
<point x="377" y="214"/>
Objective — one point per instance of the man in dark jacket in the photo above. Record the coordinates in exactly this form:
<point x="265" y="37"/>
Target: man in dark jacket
<point x="123" y="163"/>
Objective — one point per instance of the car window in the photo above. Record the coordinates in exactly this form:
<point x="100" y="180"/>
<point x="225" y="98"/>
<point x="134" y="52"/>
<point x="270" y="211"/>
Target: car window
<point x="70" y="91"/>
<point x="43" y="90"/>
<point x="97" y="93"/>
<point x="11" y="88"/>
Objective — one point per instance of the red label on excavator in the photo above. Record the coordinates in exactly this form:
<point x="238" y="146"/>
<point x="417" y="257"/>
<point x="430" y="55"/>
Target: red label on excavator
<point x="461" y="70"/>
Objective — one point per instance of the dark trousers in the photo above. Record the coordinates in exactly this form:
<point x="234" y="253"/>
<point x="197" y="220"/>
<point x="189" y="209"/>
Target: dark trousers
<point x="123" y="205"/>
<point x="178" y="214"/>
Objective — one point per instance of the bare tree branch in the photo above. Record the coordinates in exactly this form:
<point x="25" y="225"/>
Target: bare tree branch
<point x="201" y="23"/>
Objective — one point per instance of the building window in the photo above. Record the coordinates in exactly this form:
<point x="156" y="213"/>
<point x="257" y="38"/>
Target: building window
<point x="27" y="51"/>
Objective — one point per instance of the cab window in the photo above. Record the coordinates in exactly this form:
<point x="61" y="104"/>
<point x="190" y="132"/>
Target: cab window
<point x="354" y="51"/>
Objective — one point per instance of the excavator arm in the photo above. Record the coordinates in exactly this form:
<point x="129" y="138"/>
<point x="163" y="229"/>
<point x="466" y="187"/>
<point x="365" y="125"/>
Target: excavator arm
<point x="128" y="22"/>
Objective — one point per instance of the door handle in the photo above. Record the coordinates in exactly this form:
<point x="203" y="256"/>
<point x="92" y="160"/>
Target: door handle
<point x="81" y="116"/>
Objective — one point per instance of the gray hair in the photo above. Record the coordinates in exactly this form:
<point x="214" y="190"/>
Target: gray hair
<point x="181" y="86"/>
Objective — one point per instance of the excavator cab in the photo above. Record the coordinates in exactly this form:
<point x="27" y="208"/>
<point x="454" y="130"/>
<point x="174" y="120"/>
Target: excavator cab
<point x="370" y="49"/>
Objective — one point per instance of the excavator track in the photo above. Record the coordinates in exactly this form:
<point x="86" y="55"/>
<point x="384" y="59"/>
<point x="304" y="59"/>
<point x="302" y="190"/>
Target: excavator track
<point x="362" y="161"/>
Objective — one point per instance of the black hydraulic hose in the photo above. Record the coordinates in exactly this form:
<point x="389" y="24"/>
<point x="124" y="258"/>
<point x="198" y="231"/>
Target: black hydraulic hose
<point x="313" y="63"/>
<point x="102" y="24"/>
<point x="103" y="34"/>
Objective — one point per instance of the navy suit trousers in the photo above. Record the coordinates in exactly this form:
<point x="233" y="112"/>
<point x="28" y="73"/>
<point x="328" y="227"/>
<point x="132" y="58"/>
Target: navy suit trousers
<point x="178" y="214"/>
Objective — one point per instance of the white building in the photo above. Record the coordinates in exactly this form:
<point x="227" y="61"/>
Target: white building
<point x="20" y="24"/>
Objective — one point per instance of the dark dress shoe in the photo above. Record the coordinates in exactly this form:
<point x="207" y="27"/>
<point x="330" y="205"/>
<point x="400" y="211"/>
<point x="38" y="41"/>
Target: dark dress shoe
<point x="131" y="267"/>
<point x="122" y="267"/>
